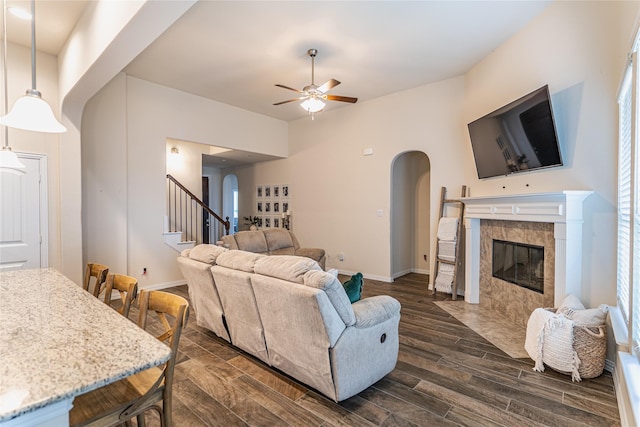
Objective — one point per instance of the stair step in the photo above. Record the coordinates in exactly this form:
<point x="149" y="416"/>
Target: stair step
<point x="174" y="239"/>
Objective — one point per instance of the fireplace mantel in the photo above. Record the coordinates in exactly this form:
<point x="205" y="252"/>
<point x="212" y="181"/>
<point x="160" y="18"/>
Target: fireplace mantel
<point x="563" y="209"/>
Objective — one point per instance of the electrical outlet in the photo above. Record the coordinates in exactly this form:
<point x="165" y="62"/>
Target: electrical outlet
<point x="341" y="256"/>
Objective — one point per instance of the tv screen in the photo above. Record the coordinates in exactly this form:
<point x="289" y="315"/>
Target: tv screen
<point x="518" y="137"/>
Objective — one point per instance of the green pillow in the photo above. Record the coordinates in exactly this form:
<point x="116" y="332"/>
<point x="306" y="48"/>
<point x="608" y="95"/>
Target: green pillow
<point x="353" y="287"/>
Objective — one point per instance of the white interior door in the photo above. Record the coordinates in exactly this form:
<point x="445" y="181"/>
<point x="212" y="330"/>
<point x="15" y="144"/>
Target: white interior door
<point x="23" y="214"/>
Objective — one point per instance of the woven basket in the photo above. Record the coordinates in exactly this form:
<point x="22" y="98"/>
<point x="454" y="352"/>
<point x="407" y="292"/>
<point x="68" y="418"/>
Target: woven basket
<point x="590" y="344"/>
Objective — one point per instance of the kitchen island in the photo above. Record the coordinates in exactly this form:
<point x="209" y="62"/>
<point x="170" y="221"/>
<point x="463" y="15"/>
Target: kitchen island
<point x="58" y="341"/>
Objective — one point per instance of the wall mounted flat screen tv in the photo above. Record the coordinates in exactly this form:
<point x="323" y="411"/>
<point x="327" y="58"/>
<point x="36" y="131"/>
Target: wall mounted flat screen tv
<point x="518" y="137"/>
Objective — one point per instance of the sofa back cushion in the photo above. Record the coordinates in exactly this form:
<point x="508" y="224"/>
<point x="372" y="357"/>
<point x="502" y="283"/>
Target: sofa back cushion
<point x="205" y="253"/>
<point x="252" y="241"/>
<point x="331" y="286"/>
<point x="278" y="239"/>
<point x="203" y="294"/>
<point x="229" y="241"/>
<point x="233" y="280"/>
<point x="300" y="326"/>
<point x="239" y="260"/>
<point x="286" y="267"/>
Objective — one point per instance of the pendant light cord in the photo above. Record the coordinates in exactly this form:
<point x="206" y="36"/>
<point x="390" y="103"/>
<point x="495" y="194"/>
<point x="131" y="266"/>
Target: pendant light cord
<point x="4" y="65"/>
<point x="33" y="44"/>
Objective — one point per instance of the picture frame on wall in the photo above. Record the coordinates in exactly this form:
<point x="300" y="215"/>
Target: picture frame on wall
<point x="276" y="191"/>
<point x="267" y="207"/>
<point x="259" y="191"/>
<point x="259" y="207"/>
<point x="267" y="191"/>
<point x="267" y="222"/>
<point x="276" y="222"/>
<point x="285" y="207"/>
<point x="285" y="191"/>
<point x="276" y="207"/>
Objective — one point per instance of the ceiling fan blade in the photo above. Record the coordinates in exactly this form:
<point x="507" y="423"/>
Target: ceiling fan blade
<point x="290" y="100"/>
<point x="325" y="87"/>
<point x="290" y="88"/>
<point x="341" y="98"/>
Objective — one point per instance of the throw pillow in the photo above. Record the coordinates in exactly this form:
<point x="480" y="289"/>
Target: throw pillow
<point x="589" y="317"/>
<point x="570" y="302"/>
<point x="353" y="287"/>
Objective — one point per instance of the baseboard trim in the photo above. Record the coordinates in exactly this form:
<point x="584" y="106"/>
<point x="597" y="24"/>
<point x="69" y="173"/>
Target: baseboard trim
<point x="367" y="276"/>
<point x="165" y="285"/>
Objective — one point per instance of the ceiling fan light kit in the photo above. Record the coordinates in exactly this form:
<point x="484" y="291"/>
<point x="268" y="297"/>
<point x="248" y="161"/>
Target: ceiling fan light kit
<point x="313" y="105"/>
<point x="313" y="96"/>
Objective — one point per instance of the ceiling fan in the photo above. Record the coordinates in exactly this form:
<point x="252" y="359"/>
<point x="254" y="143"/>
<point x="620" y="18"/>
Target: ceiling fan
<point x="313" y="96"/>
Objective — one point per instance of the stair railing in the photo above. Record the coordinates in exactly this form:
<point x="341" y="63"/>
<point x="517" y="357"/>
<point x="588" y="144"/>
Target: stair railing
<point x="187" y="214"/>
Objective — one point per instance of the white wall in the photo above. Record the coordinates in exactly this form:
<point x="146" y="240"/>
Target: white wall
<point x="336" y="191"/>
<point x="104" y="178"/>
<point x="151" y="115"/>
<point x="575" y="48"/>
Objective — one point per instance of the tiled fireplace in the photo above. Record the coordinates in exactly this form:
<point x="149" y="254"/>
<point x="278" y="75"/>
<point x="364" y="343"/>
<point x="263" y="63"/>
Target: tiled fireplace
<point x="551" y="221"/>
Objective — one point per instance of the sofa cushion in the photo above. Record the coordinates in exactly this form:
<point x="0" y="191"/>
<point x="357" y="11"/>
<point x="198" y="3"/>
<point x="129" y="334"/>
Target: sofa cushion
<point x="229" y="241"/>
<point x="335" y="292"/>
<point x="251" y="241"/>
<point x="205" y="253"/>
<point x="239" y="260"/>
<point x="278" y="238"/>
<point x="286" y="267"/>
<point x="353" y="287"/>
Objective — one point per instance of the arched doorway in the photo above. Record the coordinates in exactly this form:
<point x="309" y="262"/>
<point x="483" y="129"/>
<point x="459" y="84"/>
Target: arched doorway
<point x="410" y="213"/>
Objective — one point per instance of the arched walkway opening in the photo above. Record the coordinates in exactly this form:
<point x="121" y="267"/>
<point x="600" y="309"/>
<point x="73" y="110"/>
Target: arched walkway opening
<point x="410" y="214"/>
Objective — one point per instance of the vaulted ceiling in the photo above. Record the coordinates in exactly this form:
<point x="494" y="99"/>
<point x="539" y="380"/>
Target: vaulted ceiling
<point x="235" y="52"/>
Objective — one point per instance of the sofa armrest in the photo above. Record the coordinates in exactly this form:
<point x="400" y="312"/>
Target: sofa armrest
<point x="374" y="310"/>
<point x="315" y="254"/>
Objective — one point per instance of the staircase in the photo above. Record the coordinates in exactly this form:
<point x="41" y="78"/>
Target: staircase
<point x="189" y="221"/>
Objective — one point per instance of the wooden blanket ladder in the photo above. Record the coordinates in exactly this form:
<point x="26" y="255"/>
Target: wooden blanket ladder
<point x="441" y="259"/>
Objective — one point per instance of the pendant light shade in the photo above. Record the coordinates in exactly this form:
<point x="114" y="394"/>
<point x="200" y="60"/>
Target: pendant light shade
<point x="9" y="159"/>
<point x="31" y="112"/>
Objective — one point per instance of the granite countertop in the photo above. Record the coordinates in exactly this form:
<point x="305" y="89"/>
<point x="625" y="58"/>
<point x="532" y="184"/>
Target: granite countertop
<point x="58" y="341"/>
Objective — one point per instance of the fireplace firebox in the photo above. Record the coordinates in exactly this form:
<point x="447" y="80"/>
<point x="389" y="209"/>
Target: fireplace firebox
<point x="519" y="263"/>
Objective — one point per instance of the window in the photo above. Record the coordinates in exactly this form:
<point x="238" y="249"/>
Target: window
<point x="628" y="268"/>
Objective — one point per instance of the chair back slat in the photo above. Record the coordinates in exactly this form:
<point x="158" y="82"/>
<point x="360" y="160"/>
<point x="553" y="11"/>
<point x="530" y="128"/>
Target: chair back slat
<point x="99" y="273"/>
<point x="127" y="288"/>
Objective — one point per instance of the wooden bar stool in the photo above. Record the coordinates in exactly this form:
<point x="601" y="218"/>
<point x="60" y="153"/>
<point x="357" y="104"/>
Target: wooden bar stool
<point x="127" y="288"/>
<point x="99" y="273"/>
<point x="131" y="397"/>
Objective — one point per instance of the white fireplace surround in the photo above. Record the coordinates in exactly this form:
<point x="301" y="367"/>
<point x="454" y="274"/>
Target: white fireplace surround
<point x="563" y="209"/>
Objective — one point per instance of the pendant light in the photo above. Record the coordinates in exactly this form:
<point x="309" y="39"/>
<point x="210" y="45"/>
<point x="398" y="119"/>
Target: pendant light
<point x="31" y="112"/>
<point x="8" y="159"/>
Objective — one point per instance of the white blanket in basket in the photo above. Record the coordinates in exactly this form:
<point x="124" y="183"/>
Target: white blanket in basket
<point x="549" y="341"/>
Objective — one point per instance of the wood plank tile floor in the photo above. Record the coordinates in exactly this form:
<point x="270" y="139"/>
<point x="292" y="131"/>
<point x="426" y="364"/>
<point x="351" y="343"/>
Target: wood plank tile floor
<point x="446" y="375"/>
